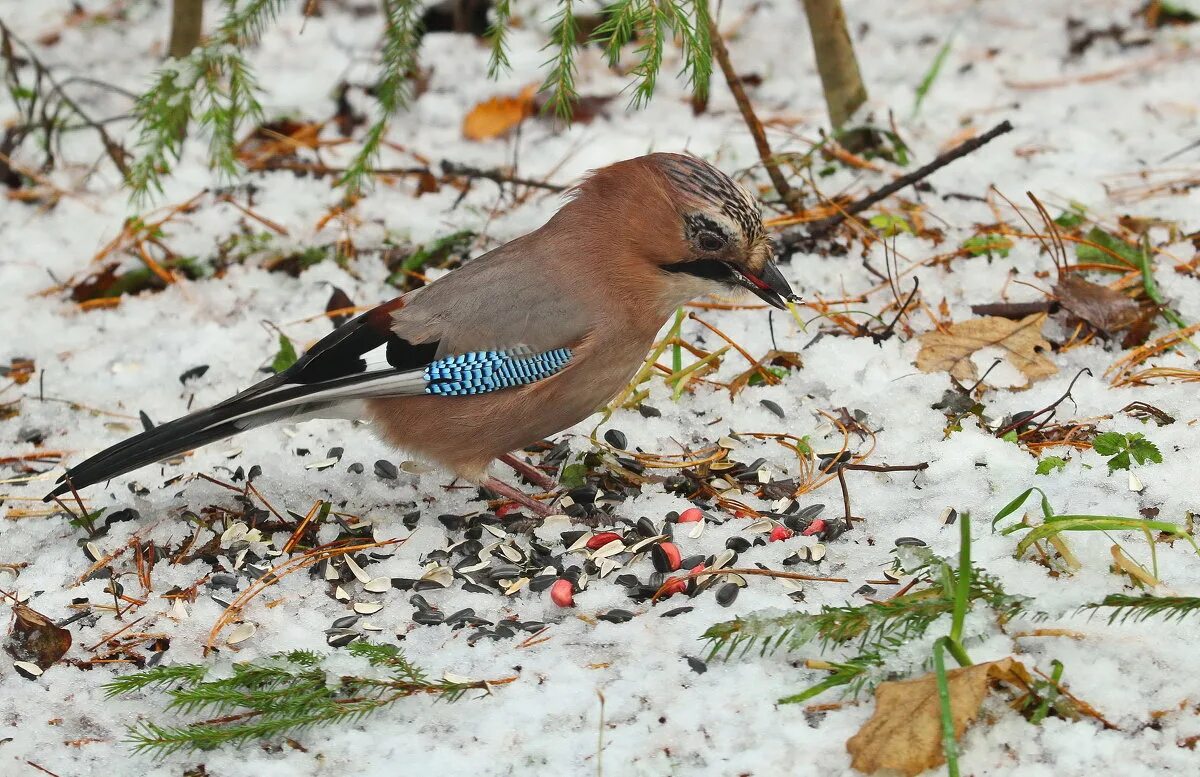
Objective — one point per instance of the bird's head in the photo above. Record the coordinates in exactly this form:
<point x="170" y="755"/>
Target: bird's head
<point x="725" y="245"/>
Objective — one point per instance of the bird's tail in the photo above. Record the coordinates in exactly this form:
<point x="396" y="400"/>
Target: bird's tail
<point x="269" y="401"/>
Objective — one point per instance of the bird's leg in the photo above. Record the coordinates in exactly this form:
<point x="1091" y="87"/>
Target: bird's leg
<point x="530" y="472"/>
<point x="518" y="496"/>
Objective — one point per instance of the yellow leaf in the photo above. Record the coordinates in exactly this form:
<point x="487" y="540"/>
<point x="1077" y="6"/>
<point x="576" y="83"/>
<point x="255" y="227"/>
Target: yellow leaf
<point x="495" y="116"/>
<point x="905" y="733"/>
<point x="1020" y="342"/>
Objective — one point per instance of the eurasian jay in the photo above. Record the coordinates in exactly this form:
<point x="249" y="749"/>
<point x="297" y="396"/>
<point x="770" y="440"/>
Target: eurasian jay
<point x="518" y="344"/>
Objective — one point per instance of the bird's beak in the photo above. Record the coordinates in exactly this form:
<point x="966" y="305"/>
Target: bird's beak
<point x="769" y="284"/>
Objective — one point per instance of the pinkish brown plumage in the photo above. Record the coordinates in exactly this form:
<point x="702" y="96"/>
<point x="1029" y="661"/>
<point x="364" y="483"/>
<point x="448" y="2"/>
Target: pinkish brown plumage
<point x="518" y="344"/>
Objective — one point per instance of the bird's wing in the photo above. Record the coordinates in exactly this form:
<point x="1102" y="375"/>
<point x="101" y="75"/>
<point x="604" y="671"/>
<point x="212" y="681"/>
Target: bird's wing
<point x="461" y="338"/>
<point x="513" y="296"/>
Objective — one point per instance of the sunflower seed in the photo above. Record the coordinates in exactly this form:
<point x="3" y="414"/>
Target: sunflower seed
<point x="515" y="586"/>
<point x="697" y="529"/>
<point x="773" y="407"/>
<point x="241" y="633"/>
<point x="616" y="616"/>
<point x="609" y="549"/>
<point x="322" y="464"/>
<point x="386" y="470"/>
<point x="914" y="542"/>
<point x="367" y="608"/>
<point x="727" y="593"/>
<point x="616" y="438"/>
<point x="28" y="670"/>
<point x="359" y="573"/>
<point x="378" y="585"/>
<point x="949" y="516"/>
<point x="341" y="638"/>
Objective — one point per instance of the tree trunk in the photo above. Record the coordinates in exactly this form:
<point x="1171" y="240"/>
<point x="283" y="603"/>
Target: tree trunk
<point x="187" y="17"/>
<point x="840" y="79"/>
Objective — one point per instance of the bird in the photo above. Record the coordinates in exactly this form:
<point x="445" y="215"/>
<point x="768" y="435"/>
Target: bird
<point x="517" y="344"/>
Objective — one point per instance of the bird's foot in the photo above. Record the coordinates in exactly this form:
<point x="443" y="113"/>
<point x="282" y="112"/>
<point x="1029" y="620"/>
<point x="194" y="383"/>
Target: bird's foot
<point x="518" y="496"/>
<point x="530" y="472"/>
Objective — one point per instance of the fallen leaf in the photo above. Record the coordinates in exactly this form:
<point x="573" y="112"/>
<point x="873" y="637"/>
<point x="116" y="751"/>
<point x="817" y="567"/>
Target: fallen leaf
<point x="905" y="733"/>
<point x="497" y="115"/>
<point x="1020" y="342"/>
<point x="35" y="638"/>
<point x="1107" y="310"/>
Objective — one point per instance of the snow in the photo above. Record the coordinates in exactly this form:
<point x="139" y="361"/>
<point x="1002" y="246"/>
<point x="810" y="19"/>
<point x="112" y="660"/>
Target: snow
<point x="1074" y="136"/>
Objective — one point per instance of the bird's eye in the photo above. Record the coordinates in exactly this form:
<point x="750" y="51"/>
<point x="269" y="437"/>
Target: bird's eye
<point x="710" y="241"/>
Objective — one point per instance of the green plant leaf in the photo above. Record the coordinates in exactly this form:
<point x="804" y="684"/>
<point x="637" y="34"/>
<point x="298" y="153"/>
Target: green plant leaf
<point x="1109" y="443"/>
<point x="1143" y="450"/>
<point x="1120" y="461"/>
<point x="1090" y="254"/>
<point x="286" y="356"/>
<point x="890" y="224"/>
<point x="991" y="243"/>
<point x="1050" y="464"/>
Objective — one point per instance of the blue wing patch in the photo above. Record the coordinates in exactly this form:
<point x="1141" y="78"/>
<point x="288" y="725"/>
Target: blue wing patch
<point x="480" y="372"/>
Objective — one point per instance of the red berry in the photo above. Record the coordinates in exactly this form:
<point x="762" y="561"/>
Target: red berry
<point x="816" y="527"/>
<point x="507" y="508"/>
<point x="603" y="538"/>
<point x="696" y="569"/>
<point x="780" y="533"/>
<point x="691" y="515"/>
<point x="562" y="593"/>
<point x="675" y="585"/>
<point x="666" y="556"/>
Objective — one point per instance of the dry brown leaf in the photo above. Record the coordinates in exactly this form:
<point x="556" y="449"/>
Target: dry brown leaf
<point x="497" y="115"/>
<point x="35" y="638"/>
<point x="1020" y="341"/>
<point x="1107" y="310"/>
<point x="905" y="733"/>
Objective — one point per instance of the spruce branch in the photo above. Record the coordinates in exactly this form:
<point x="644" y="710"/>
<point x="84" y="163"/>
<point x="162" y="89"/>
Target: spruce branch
<point x="393" y="90"/>
<point x="497" y="37"/>
<point x="213" y="86"/>
<point x="1123" y="607"/>
<point x="560" y="81"/>
<point x="873" y="632"/>
<point x="285" y="693"/>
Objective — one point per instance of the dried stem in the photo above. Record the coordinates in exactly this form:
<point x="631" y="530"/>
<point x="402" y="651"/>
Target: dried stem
<point x="755" y="126"/>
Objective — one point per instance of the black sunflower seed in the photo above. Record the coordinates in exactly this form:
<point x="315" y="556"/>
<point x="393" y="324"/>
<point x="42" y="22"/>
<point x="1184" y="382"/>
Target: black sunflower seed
<point x="738" y="544"/>
<point x="386" y="470"/>
<point x="616" y="616"/>
<point x="676" y="611"/>
<point x="355" y="469"/>
<point x="726" y="594"/>
<point x="616" y="438"/>
<point x="428" y="617"/>
<point x="773" y="407"/>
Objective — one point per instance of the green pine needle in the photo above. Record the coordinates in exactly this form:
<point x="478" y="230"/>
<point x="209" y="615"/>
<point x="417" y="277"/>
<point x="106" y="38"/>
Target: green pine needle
<point x="280" y="695"/>
<point x="1123" y="607"/>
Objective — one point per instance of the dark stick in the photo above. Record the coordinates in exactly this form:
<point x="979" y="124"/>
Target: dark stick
<point x="750" y="117"/>
<point x="116" y="152"/>
<point x="1047" y="409"/>
<point x="824" y="226"/>
<point x="1013" y="310"/>
<point x="870" y="468"/>
<point x="498" y="176"/>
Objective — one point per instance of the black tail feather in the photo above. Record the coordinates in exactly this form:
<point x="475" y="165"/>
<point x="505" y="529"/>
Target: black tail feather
<point x="231" y="417"/>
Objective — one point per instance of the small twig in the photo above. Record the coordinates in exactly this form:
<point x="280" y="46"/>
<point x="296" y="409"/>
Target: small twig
<point x="116" y="152"/>
<point x="1014" y="310"/>
<point x="1048" y="409"/>
<point x="890" y="329"/>
<point x="824" y="226"/>
<point x="870" y="468"/>
<point x="755" y="126"/>
<point x="497" y="176"/>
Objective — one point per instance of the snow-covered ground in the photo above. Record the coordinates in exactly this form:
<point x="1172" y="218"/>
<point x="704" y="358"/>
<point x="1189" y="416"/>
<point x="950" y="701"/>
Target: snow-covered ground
<point x="1081" y="123"/>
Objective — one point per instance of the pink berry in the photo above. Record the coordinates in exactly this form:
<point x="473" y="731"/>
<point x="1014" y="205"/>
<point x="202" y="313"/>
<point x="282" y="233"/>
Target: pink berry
<point x="691" y="515"/>
<point x="562" y="593"/>
<point x="816" y="527"/>
<point x="603" y="538"/>
<point x="780" y="533"/>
